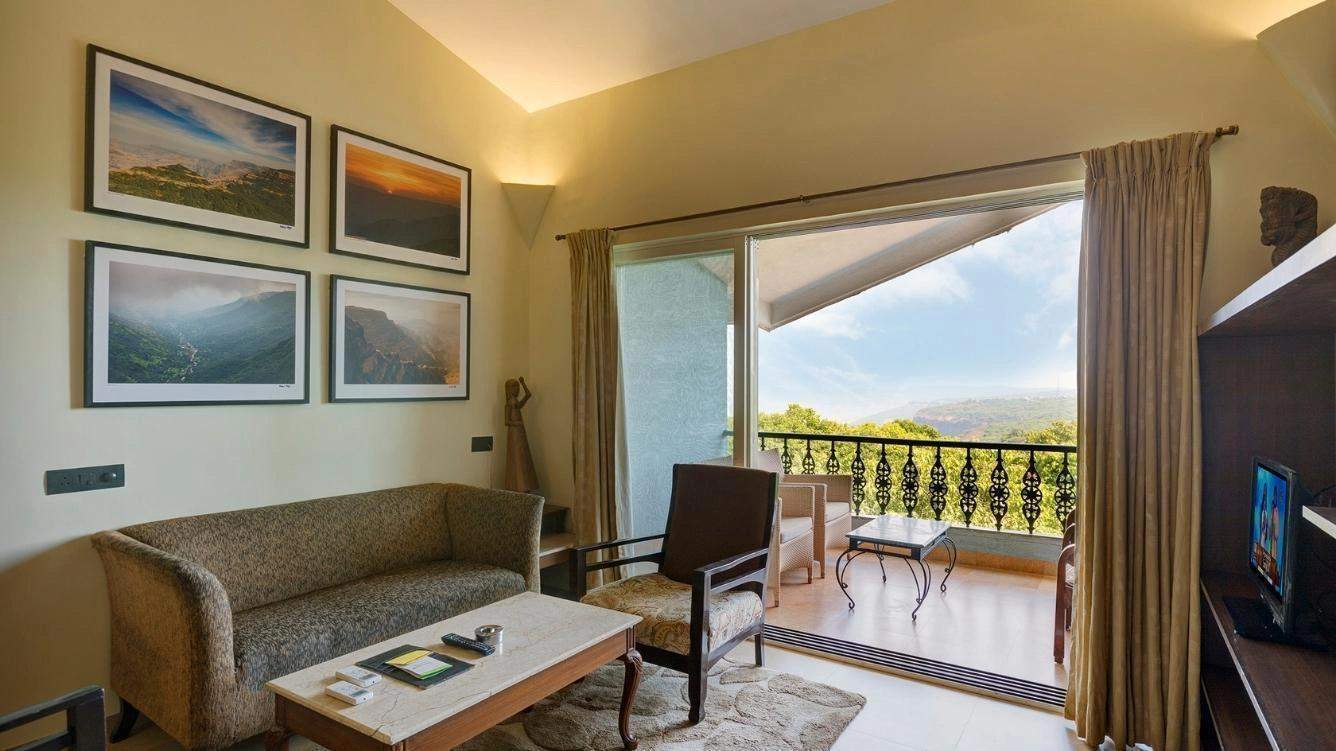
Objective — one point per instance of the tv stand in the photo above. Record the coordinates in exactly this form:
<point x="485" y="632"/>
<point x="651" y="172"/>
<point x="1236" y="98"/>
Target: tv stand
<point x="1260" y="694"/>
<point x="1252" y="620"/>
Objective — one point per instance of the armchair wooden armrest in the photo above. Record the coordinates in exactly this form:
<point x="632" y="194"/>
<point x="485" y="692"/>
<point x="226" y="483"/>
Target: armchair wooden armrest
<point x="703" y="587"/>
<point x="580" y="567"/>
<point x="85" y="726"/>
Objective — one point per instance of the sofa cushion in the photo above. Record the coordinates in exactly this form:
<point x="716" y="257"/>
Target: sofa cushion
<point x="793" y="527"/>
<point x="836" y="509"/>
<point x="276" y="639"/>
<point x="665" y="607"/>
<point x="266" y="554"/>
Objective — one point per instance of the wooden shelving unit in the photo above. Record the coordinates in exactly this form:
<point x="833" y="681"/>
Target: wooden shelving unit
<point x="1268" y="388"/>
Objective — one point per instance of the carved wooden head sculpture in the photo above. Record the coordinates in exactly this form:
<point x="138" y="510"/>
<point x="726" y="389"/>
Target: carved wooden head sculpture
<point x="1289" y="220"/>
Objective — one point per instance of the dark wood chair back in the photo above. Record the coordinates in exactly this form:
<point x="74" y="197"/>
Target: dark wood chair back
<point x="717" y="512"/>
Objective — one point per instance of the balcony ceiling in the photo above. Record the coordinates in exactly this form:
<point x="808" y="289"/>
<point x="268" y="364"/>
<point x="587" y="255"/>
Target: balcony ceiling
<point x="801" y="274"/>
<point x="542" y="53"/>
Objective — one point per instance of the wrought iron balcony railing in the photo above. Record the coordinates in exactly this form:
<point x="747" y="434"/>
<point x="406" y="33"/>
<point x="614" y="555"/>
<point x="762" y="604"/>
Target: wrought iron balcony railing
<point x="955" y="492"/>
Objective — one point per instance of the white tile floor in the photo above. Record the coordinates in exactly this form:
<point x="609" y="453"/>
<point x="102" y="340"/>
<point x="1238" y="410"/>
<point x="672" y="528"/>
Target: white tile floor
<point x="908" y="715"/>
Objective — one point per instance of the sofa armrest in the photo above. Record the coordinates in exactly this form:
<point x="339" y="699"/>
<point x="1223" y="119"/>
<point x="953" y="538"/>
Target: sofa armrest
<point x="171" y="634"/>
<point x="496" y="527"/>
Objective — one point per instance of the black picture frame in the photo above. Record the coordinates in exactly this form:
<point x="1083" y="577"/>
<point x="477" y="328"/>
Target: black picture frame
<point x="334" y="353"/>
<point x="338" y="242"/>
<point x="90" y="292"/>
<point x="91" y="202"/>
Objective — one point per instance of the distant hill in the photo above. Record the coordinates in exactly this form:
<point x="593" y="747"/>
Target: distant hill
<point x="996" y="417"/>
<point x="377" y="350"/>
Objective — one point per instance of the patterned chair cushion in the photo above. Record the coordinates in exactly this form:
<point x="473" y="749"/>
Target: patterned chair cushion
<point x="665" y="606"/>
<point x="793" y="527"/>
<point x="283" y="637"/>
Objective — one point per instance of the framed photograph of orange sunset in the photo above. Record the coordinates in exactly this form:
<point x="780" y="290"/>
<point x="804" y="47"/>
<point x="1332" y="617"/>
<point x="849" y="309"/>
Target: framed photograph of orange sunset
<point x="395" y="204"/>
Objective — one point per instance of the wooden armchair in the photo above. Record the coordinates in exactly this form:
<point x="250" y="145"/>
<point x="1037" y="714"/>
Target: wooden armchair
<point x="1062" y="608"/>
<point x="709" y="592"/>
<point x="793" y="539"/>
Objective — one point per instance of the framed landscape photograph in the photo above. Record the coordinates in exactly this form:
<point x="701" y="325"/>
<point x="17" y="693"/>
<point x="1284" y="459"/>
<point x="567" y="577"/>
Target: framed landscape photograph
<point x="164" y="147"/>
<point x="396" y="342"/>
<point x="395" y="204"/>
<point x="166" y="328"/>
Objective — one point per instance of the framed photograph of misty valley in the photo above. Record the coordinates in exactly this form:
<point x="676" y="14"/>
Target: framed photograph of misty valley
<point x="167" y="148"/>
<point x="166" y="328"/>
<point x="394" y="204"/>
<point x="396" y="342"/>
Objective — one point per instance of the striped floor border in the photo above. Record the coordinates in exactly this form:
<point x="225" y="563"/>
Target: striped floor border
<point x="970" y="679"/>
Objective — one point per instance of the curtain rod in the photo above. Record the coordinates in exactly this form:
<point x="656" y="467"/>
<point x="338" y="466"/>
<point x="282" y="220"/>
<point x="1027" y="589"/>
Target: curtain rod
<point x="1227" y="130"/>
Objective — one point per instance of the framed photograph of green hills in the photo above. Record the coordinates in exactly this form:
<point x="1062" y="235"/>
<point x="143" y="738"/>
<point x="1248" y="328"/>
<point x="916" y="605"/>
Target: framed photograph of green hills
<point x="166" y="328"/>
<point x="167" y="148"/>
<point x="397" y="342"/>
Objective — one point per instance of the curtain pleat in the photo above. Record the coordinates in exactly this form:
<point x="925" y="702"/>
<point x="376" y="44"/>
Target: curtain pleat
<point x="594" y="360"/>
<point x="1136" y="629"/>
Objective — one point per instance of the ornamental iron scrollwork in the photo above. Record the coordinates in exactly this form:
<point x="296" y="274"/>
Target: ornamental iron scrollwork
<point x="832" y="461"/>
<point x="937" y="486"/>
<point x="859" y="471"/>
<point x="909" y="483"/>
<point x="809" y="461"/>
<point x="1032" y="496"/>
<point x="883" y="482"/>
<point x="998" y="491"/>
<point x="786" y="459"/>
<point x="1064" y="499"/>
<point x="969" y="487"/>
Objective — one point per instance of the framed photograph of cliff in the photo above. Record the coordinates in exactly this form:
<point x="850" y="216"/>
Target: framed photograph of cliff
<point x="396" y="342"/>
<point x="163" y="147"/>
<point x="169" y="328"/>
<point x="395" y="204"/>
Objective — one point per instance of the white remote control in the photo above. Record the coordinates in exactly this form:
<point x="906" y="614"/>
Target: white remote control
<point x="345" y="691"/>
<point x="359" y="676"/>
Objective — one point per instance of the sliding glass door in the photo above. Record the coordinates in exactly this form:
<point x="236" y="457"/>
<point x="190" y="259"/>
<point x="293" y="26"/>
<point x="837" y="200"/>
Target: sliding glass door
<point x="676" y="317"/>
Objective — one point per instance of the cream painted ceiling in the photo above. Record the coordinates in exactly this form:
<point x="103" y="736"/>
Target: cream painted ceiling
<point x="544" y="52"/>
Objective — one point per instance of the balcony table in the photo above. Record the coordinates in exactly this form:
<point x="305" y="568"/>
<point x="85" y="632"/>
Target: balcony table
<point x="903" y="537"/>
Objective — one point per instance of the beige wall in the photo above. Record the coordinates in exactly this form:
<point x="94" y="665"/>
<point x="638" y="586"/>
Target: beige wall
<point x="358" y="63"/>
<point x="920" y="87"/>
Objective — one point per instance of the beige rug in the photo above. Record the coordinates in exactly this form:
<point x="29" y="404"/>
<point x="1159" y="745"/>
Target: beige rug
<point x="746" y="708"/>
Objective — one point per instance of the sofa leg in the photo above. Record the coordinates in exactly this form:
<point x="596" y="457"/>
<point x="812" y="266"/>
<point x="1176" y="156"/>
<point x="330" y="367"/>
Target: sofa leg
<point x="809" y="573"/>
<point x="129" y="715"/>
<point x="760" y="650"/>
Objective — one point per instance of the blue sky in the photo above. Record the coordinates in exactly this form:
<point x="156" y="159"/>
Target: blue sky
<point x="994" y="319"/>
<point x="146" y="113"/>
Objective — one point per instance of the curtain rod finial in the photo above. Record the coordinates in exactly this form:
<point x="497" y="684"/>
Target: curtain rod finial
<point x="1228" y="130"/>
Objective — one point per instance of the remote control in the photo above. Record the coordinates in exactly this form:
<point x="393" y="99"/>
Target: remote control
<point x="463" y="642"/>
<point x="359" y="676"/>
<point x="345" y="691"/>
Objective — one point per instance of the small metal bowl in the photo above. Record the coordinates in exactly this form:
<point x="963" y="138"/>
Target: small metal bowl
<point x="489" y="635"/>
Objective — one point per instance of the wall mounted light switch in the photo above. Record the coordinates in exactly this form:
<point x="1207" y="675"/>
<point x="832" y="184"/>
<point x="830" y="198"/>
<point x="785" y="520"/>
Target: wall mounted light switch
<point x="85" y="478"/>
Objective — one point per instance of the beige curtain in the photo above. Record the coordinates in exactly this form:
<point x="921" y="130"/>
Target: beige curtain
<point x="1136" y="631"/>
<point x="594" y="361"/>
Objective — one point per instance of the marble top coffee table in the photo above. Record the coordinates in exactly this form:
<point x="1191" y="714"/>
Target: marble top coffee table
<point x="904" y="537"/>
<point x="548" y="644"/>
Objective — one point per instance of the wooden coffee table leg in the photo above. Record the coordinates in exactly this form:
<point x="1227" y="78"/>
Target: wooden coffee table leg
<point x="276" y="738"/>
<point x="629" y="686"/>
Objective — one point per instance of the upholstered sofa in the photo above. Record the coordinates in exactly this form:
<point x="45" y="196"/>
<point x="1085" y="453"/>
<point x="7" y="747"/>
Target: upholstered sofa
<point x="206" y="609"/>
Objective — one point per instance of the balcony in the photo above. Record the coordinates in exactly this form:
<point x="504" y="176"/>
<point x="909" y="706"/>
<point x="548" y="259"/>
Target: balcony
<point x="1006" y="503"/>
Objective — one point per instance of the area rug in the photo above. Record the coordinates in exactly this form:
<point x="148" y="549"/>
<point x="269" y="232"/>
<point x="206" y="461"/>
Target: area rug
<point x="746" y="708"/>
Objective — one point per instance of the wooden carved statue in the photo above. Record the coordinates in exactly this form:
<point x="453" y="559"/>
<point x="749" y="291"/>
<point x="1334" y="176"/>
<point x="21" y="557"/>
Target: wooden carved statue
<point x="1289" y="220"/>
<point x="520" y="475"/>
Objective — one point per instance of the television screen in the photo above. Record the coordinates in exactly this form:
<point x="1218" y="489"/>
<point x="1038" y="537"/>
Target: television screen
<point x="1270" y="501"/>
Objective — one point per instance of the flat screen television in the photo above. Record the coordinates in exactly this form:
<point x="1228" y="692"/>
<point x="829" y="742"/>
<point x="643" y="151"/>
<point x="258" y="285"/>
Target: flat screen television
<point x="1277" y="500"/>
